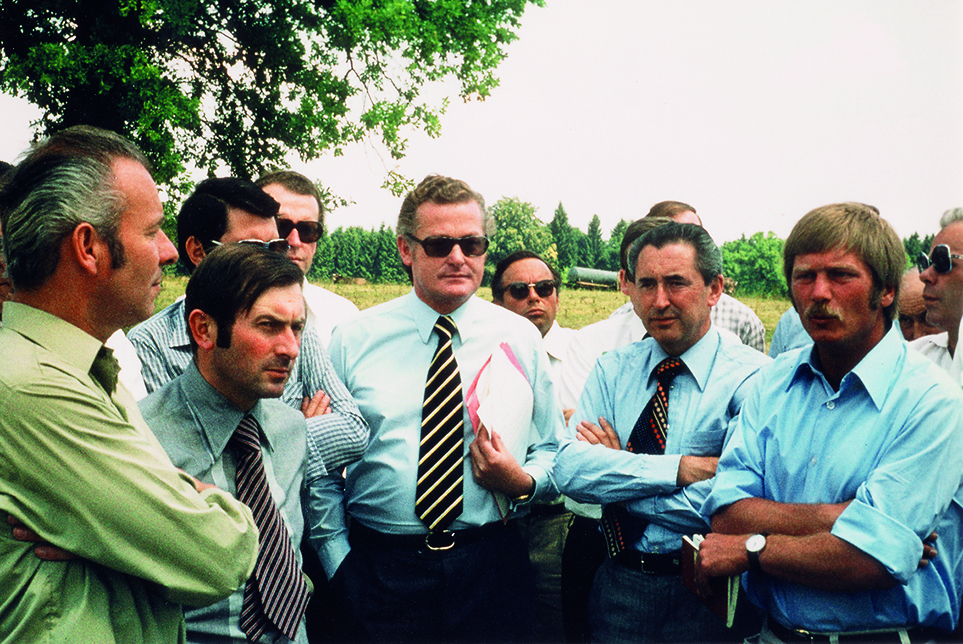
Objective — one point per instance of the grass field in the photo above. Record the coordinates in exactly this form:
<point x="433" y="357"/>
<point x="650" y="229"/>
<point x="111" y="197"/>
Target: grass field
<point x="578" y="307"/>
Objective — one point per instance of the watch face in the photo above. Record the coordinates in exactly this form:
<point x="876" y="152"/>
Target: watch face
<point x="756" y="543"/>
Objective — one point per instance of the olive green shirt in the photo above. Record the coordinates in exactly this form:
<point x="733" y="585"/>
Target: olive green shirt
<point x="81" y="469"/>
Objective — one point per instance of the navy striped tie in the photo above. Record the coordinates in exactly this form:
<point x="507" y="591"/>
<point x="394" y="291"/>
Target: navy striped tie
<point x="276" y="591"/>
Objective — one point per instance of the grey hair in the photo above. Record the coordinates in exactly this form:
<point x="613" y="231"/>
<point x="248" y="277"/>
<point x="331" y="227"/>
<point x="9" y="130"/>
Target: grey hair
<point x="708" y="255"/>
<point x="951" y="216"/>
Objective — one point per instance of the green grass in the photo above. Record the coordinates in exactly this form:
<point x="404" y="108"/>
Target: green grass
<point x="577" y="308"/>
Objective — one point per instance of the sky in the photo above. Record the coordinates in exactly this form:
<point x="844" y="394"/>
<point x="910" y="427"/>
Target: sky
<point x="753" y="111"/>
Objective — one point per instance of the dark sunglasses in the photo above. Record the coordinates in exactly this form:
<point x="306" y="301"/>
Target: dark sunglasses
<point x="519" y="290"/>
<point x="308" y="231"/>
<point x="471" y="246"/>
<point x="277" y="245"/>
<point x="940" y="258"/>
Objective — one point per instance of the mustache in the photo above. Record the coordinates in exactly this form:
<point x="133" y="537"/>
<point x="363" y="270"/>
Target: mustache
<point x="821" y="311"/>
<point x="281" y="363"/>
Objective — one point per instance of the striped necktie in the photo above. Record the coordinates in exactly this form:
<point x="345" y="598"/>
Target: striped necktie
<point x="648" y="437"/>
<point x="441" y="452"/>
<point x="276" y="591"/>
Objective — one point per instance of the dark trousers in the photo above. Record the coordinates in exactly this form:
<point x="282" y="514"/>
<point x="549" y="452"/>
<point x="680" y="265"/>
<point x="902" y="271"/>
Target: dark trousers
<point x="479" y="592"/>
<point x="583" y="554"/>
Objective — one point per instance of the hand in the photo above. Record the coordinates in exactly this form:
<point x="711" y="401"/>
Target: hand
<point x="494" y="468"/>
<point x="44" y="550"/>
<point x="317" y="405"/>
<point x="596" y="435"/>
<point x="720" y="555"/>
<point x="693" y="469"/>
<point x="567" y="413"/>
<point x="198" y="485"/>
<point x="929" y="550"/>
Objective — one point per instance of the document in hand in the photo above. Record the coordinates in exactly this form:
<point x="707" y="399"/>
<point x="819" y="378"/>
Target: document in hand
<point x="501" y="399"/>
<point x="724" y="590"/>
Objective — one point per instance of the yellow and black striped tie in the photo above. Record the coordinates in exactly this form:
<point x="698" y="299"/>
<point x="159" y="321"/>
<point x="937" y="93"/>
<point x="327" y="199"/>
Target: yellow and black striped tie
<point x="441" y="454"/>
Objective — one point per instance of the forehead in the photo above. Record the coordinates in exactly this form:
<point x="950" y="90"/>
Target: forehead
<point x="242" y="224"/>
<point x="672" y="259"/>
<point x="526" y="270"/>
<point x="279" y="301"/>
<point x="294" y="206"/>
<point x="837" y="258"/>
<point x="450" y="220"/>
<point x="140" y="192"/>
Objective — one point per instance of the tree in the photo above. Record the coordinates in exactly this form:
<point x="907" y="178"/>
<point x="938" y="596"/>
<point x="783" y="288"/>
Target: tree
<point x="242" y="82"/>
<point x="914" y="246"/>
<point x="755" y="265"/>
<point x="517" y="228"/>
<point x="592" y="244"/>
<point x="566" y="239"/>
<point x="610" y="251"/>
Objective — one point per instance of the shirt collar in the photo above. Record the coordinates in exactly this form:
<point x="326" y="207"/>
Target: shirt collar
<point x="698" y="358"/>
<point x="217" y="416"/>
<point x="425" y="317"/>
<point x="68" y="342"/>
<point x="875" y="371"/>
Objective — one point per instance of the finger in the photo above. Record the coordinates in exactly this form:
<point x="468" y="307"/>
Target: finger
<point x="482" y="433"/>
<point x="47" y="552"/>
<point x="21" y="533"/>
<point x="12" y="520"/>
<point x="313" y="404"/>
<point x="497" y="443"/>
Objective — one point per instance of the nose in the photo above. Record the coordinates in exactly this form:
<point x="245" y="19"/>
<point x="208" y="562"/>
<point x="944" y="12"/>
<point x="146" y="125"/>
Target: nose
<point x="294" y="239"/>
<point x="166" y="251"/>
<point x="929" y="275"/>
<point x="661" y="297"/>
<point x="456" y="256"/>
<point x="289" y="343"/>
<point x="821" y="290"/>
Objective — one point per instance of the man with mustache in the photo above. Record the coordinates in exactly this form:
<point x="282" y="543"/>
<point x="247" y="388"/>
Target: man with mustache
<point x="245" y="312"/>
<point x="845" y="458"/>
<point x="431" y="552"/>
<point x="646" y="436"/>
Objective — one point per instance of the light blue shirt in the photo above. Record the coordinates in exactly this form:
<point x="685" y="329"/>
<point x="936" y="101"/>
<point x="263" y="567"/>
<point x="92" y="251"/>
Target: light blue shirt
<point x="338" y="438"/>
<point x="194" y="423"/>
<point x="789" y="334"/>
<point x="703" y="401"/>
<point x="383" y="357"/>
<point x="891" y="439"/>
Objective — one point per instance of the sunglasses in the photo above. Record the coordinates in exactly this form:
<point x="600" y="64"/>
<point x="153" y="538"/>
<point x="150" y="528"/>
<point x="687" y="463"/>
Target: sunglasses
<point x="471" y="246"/>
<point x="519" y="290"/>
<point x="940" y="258"/>
<point x="308" y="231"/>
<point x="277" y="245"/>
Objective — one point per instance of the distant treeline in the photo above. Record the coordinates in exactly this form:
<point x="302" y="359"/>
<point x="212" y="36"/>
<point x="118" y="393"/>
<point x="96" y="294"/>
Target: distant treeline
<point x="753" y="264"/>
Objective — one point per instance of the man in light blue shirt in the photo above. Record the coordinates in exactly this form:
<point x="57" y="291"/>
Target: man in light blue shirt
<point x="846" y="457"/>
<point x="638" y="592"/>
<point x="246" y="314"/>
<point x="402" y="577"/>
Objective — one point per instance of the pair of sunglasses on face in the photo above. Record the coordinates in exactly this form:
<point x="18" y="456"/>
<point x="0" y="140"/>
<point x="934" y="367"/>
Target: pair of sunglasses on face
<point x="471" y="246"/>
<point x="308" y="231"/>
<point x="940" y="258"/>
<point x="277" y="245"/>
<point x="520" y="290"/>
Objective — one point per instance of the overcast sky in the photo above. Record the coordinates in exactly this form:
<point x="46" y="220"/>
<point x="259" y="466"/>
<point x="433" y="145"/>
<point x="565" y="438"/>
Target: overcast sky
<point x="754" y="111"/>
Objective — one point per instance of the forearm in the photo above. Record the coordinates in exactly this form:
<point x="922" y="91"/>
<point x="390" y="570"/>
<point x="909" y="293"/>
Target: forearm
<point x="755" y="515"/>
<point x="824" y="562"/>
<point x="678" y="511"/>
<point x="597" y="474"/>
<point x="326" y="521"/>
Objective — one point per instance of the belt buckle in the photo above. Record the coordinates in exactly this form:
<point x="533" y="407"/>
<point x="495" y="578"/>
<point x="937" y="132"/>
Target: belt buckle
<point x="439" y="541"/>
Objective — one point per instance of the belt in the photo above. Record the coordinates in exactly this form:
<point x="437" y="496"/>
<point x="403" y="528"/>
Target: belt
<point x="651" y="563"/>
<point x="434" y="541"/>
<point x="799" y="635"/>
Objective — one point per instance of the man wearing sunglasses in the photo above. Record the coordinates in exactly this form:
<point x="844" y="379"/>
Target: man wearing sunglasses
<point x="427" y="556"/>
<point x="942" y="275"/>
<point x="301" y="222"/>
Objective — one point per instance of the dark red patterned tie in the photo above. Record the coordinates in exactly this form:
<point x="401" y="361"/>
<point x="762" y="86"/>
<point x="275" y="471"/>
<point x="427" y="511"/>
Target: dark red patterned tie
<point x="276" y="590"/>
<point x="647" y="437"/>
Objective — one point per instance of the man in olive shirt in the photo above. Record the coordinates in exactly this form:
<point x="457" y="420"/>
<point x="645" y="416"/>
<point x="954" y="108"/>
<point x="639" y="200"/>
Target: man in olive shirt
<point x="78" y="466"/>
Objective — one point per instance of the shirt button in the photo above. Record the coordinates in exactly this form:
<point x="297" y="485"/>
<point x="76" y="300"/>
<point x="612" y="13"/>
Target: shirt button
<point x="814" y="460"/>
<point x="830" y="405"/>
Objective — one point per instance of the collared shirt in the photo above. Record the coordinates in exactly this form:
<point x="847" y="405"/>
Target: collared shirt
<point x="622" y="327"/>
<point x="326" y="310"/>
<point x="81" y="469"/>
<point x="130" y="366"/>
<point x="556" y="344"/>
<point x="335" y="439"/>
<point x="889" y="440"/>
<point x="789" y="334"/>
<point x="703" y="402"/>
<point x="194" y="423"/>
<point x="383" y="357"/>
<point x="936" y="348"/>
<point x="730" y="313"/>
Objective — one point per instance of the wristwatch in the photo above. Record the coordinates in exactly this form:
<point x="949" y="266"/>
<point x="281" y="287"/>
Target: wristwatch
<point x="754" y="546"/>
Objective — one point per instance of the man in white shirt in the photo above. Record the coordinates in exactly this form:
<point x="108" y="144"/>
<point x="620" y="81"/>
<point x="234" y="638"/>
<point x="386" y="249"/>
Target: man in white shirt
<point x="301" y="223"/>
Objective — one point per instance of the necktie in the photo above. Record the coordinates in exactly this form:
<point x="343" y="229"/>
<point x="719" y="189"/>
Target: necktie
<point x="105" y="369"/>
<point x="441" y="452"/>
<point x="647" y="437"/>
<point x="276" y="590"/>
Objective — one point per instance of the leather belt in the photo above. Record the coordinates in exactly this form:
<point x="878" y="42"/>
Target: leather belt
<point x="799" y="635"/>
<point x="433" y="541"/>
<point x="651" y="563"/>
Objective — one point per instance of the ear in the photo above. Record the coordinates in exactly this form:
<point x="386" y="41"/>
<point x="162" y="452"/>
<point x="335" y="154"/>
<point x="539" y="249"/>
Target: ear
<point x="88" y="249"/>
<point x="715" y="290"/>
<point x="404" y="248"/>
<point x="623" y="282"/>
<point x="889" y="294"/>
<point x="195" y="250"/>
<point x="203" y="328"/>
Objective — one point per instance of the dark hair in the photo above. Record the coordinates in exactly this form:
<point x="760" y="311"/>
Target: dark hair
<point x="635" y="230"/>
<point x="854" y="227"/>
<point x="498" y="289"/>
<point x="708" y="255"/>
<point x="203" y="215"/>
<point x="62" y="182"/>
<point x="670" y="209"/>
<point x="296" y="183"/>
<point x="229" y="281"/>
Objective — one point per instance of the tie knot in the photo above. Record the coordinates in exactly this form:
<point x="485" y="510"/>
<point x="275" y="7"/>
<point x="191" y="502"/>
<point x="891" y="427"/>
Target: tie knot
<point x="668" y="369"/>
<point x="446" y="326"/>
<point x="247" y="436"/>
<point x="105" y="369"/>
